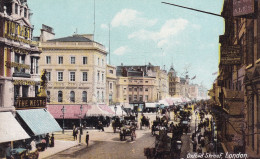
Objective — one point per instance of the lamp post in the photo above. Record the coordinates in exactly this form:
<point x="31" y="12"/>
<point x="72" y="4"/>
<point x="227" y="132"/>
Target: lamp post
<point x="196" y="123"/>
<point x="63" y="112"/>
<point x="115" y="109"/>
<point x="80" y="133"/>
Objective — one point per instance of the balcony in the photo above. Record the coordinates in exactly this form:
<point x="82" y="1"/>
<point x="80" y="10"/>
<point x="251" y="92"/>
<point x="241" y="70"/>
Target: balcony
<point x="21" y="74"/>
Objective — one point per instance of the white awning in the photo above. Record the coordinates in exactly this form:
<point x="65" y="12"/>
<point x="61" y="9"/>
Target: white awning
<point x="150" y="105"/>
<point x="10" y="129"/>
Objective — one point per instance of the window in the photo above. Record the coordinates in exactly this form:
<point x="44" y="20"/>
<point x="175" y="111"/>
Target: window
<point x="130" y="89"/>
<point x="111" y="71"/>
<point x="130" y="98"/>
<point x="146" y="81"/>
<point x="37" y="65"/>
<point x="60" y="60"/>
<point x="102" y="77"/>
<point x="48" y="76"/>
<point x="98" y="76"/>
<point x="72" y="60"/>
<point x="16" y="8"/>
<point x="250" y="45"/>
<point x="60" y="96"/>
<point x="84" y="96"/>
<point x="25" y="90"/>
<point x="85" y="60"/>
<point x="124" y="80"/>
<point x="23" y="62"/>
<point x="48" y="96"/>
<point x="111" y="85"/>
<point x="146" y="97"/>
<point x="72" y="76"/>
<point x="124" y="97"/>
<point x="98" y="61"/>
<point x="135" y="89"/>
<point x="25" y="12"/>
<point x="146" y="89"/>
<point x="140" y="98"/>
<point x="97" y="95"/>
<point x="48" y="60"/>
<point x="141" y="89"/>
<point x="17" y="60"/>
<point x="60" y="76"/>
<point x="72" y="96"/>
<point x="135" y="97"/>
<point x="16" y="92"/>
<point x="84" y="76"/>
<point x="36" y="91"/>
<point x="102" y="96"/>
<point x="102" y="62"/>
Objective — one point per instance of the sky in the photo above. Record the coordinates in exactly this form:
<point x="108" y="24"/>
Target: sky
<point x="142" y="31"/>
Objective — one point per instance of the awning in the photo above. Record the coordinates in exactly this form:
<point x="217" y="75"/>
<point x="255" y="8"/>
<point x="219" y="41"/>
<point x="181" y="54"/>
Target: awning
<point x="119" y="110"/>
<point x="40" y="121"/>
<point x="106" y="108"/>
<point x="165" y="103"/>
<point x="97" y="111"/>
<point x="150" y="105"/>
<point x="71" y="111"/>
<point x="10" y="129"/>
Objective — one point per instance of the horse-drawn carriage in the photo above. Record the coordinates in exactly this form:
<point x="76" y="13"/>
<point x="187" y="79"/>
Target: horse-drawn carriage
<point x="127" y="131"/>
<point x="117" y="123"/>
<point x="145" y="122"/>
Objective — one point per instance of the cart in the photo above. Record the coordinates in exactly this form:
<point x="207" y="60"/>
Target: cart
<point x="117" y="123"/>
<point x="127" y="131"/>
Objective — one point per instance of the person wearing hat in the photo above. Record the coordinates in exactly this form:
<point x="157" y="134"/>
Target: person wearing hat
<point x="52" y="141"/>
<point x="87" y="138"/>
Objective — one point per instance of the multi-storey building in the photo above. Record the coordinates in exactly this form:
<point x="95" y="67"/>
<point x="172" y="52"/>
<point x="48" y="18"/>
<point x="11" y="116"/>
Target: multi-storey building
<point x="111" y="96"/>
<point x="174" y="82"/>
<point x="20" y="79"/>
<point x="76" y="70"/>
<point x="237" y="86"/>
<point x="141" y="84"/>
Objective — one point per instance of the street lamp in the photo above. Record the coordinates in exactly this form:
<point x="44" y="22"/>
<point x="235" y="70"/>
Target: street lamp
<point x="63" y="112"/>
<point x="80" y="133"/>
<point x="196" y="123"/>
<point x="115" y="109"/>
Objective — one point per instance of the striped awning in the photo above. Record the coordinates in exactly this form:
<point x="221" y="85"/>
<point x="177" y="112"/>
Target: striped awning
<point x="10" y="129"/>
<point x="40" y="121"/>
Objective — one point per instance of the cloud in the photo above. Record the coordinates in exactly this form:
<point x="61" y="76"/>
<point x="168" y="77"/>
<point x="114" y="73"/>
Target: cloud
<point x="130" y="18"/>
<point x="196" y="26"/>
<point x="121" y="50"/>
<point x="168" y="30"/>
<point x="104" y="26"/>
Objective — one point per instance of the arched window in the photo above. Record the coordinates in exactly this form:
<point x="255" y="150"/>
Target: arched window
<point x="60" y="96"/>
<point x="84" y="96"/>
<point x="48" y="96"/>
<point x="72" y="96"/>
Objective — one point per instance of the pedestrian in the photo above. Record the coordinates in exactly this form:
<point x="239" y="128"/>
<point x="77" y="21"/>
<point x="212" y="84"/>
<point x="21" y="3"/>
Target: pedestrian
<point x="194" y="143"/>
<point x="47" y="139"/>
<point x="75" y="133"/>
<point x="199" y="150"/>
<point x="8" y="152"/>
<point x="87" y="138"/>
<point x="52" y="140"/>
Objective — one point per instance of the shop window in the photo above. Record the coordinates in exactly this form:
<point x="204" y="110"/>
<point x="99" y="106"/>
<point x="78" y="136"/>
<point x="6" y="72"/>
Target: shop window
<point x="72" y="96"/>
<point x="84" y="96"/>
<point x="25" y="90"/>
<point x="60" y="96"/>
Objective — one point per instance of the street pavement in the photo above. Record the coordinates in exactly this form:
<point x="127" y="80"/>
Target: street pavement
<point x="108" y="145"/>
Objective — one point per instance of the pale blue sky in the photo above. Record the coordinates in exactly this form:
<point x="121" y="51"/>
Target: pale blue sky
<point x="142" y="31"/>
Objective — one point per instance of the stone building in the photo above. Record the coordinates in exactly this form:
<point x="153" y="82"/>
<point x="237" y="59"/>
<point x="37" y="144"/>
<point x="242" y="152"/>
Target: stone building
<point x="174" y="82"/>
<point x="111" y="96"/>
<point x="19" y="69"/>
<point x="76" y="69"/>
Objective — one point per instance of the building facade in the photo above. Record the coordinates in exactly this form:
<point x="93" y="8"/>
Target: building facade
<point x="174" y="83"/>
<point x="19" y="56"/>
<point x="76" y="69"/>
<point x="111" y="95"/>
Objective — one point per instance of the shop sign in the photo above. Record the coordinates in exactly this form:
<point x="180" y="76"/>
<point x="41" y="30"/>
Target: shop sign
<point x="230" y="55"/>
<point x="30" y="102"/>
<point x="243" y="7"/>
<point x="24" y="82"/>
<point x="10" y="64"/>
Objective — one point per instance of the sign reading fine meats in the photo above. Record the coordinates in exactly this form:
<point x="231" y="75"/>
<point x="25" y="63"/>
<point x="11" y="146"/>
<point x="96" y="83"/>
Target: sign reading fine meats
<point x="243" y="7"/>
<point x="230" y="55"/>
<point x="30" y="102"/>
